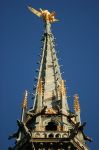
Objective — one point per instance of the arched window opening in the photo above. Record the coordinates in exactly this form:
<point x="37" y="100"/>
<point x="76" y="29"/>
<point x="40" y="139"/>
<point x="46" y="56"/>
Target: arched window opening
<point x="51" y="135"/>
<point x="57" y="136"/>
<point x="51" y="126"/>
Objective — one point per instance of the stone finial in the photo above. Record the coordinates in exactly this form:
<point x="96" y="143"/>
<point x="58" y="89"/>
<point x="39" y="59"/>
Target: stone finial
<point x="24" y="104"/>
<point x="76" y="103"/>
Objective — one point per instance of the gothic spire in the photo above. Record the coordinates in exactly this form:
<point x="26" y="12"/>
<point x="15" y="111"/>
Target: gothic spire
<point x="50" y="124"/>
<point x="49" y="77"/>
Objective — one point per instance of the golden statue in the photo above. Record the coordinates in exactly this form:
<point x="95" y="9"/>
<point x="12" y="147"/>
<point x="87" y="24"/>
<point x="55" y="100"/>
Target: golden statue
<point x="45" y="14"/>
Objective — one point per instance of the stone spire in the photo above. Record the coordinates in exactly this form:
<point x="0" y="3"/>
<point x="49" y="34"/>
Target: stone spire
<point x="49" y="73"/>
<point x="50" y="124"/>
<point x="50" y="90"/>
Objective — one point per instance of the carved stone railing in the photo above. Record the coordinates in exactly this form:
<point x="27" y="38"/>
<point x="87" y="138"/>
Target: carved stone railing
<point x="50" y="134"/>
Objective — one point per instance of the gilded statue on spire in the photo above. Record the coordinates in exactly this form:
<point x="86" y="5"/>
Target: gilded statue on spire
<point x="45" y="14"/>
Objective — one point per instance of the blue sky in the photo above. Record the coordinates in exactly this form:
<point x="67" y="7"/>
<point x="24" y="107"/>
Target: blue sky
<point x="77" y="39"/>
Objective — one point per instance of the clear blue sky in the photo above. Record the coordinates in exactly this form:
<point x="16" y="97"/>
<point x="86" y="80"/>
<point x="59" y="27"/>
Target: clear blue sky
<point x="77" y="38"/>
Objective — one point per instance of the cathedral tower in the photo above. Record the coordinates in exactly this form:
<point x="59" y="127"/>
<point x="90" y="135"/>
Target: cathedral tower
<point x="49" y="125"/>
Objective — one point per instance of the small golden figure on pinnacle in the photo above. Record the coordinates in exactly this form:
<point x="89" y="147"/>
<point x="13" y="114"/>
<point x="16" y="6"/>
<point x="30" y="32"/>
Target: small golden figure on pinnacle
<point x="45" y="14"/>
